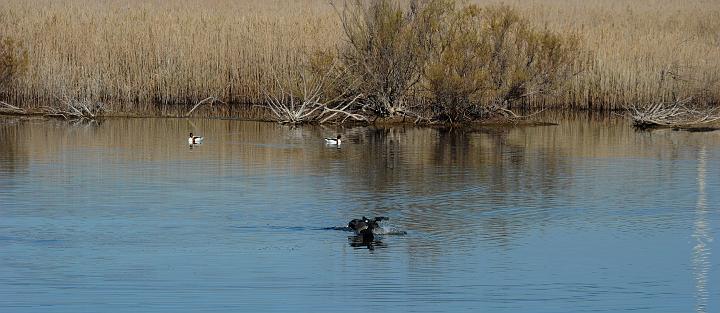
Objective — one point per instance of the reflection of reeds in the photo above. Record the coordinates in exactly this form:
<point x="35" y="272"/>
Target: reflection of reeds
<point x="138" y="54"/>
<point x="382" y="168"/>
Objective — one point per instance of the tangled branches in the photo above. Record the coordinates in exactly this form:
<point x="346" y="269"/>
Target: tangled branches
<point x="683" y="109"/>
<point x="75" y="110"/>
<point x="302" y="98"/>
<point x="676" y="113"/>
<point x="309" y="107"/>
<point x="72" y="110"/>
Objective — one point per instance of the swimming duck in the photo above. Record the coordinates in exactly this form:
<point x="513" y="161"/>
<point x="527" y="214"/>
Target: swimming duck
<point x="360" y="225"/>
<point x="367" y="236"/>
<point x="193" y="140"/>
<point x="333" y="141"/>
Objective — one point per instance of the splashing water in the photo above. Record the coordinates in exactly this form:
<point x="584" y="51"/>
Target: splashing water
<point x="389" y="230"/>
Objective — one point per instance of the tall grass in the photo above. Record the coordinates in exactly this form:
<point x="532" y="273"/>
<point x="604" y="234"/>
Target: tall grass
<point x="138" y="54"/>
<point x="147" y="55"/>
<point x="642" y="51"/>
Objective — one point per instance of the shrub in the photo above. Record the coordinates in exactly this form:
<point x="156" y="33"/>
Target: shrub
<point x="488" y="58"/>
<point x="470" y="62"/>
<point x="386" y="50"/>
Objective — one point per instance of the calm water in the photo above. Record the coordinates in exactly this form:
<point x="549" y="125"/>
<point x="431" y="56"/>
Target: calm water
<point x="585" y="216"/>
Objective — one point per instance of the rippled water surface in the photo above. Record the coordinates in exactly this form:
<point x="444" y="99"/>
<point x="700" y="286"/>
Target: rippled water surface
<point x="589" y="215"/>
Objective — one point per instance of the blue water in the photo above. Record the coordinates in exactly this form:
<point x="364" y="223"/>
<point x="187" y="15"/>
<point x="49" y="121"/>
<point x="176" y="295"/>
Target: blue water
<point x="589" y="215"/>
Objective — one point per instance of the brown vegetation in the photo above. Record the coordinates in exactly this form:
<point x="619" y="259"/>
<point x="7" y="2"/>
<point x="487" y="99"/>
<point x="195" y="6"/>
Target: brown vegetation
<point x="488" y="59"/>
<point x="13" y="63"/>
<point x="153" y="56"/>
<point x="691" y="102"/>
<point x="447" y="61"/>
<point x="139" y="56"/>
<point x="386" y="49"/>
<point x="678" y="113"/>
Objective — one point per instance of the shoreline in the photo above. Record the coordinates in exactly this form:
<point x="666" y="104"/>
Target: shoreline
<point x="546" y="118"/>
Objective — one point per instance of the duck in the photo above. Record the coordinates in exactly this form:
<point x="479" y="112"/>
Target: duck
<point x="366" y="235"/>
<point x="333" y="141"/>
<point x="360" y="226"/>
<point x="193" y="140"/>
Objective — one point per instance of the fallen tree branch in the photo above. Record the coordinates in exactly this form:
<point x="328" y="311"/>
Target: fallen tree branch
<point x="301" y="100"/>
<point x="670" y="114"/>
<point x="12" y="107"/>
<point x="501" y="109"/>
<point x="210" y="99"/>
<point x="75" y="110"/>
<point x="343" y="110"/>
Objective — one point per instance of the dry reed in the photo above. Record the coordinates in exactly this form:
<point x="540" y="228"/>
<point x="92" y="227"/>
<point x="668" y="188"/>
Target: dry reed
<point x="140" y="56"/>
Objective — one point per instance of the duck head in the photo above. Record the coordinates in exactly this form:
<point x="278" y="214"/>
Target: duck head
<point x="359" y="225"/>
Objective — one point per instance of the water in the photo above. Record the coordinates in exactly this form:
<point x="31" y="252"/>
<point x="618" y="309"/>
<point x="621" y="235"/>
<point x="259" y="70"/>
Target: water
<point x="589" y="215"/>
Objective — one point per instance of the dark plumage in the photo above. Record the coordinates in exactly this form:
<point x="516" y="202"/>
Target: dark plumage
<point x="363" y="228"/>
<point x="358" y="225"/>
<point x="367" y="235"/>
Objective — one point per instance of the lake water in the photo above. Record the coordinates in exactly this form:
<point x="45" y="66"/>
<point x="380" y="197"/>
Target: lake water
<point x="589" y="215"/>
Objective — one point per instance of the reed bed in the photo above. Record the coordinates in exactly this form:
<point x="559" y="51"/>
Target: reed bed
<point x="138" y="54"/>
<point x="157" y="57"/>
<point x="641" y="51"/>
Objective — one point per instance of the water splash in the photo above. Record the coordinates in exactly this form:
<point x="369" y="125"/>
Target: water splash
<point x="389" y="230"/>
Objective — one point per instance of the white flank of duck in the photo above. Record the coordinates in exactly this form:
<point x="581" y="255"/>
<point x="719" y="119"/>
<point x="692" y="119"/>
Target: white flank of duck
<point x="333" y="141"/>
<point x="193" y="140"/>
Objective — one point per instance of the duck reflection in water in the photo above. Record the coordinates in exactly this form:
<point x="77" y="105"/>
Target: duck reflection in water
<point x="359" y="242"/>
<point x="365" y="240"/>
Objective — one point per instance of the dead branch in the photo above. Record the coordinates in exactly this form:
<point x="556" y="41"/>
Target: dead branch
<point x="343" y="109"/>
<point x="12" y="108"/>
<point x="209" y="100"/>
<point x="75" y="110"/>
<point x="301" y="99"/>
<point x="501" y="109"/>
<point x="680" y="112"/>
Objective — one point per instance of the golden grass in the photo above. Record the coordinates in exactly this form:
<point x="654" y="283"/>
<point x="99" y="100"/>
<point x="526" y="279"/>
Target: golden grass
<point x="137" y="54"/>
<point x="159" y="52"/>
<point x="632" y="42"/>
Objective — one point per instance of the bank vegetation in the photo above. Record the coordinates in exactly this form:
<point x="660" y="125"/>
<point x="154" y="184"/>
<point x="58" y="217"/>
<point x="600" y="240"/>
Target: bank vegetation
<point x="429" y="61"/>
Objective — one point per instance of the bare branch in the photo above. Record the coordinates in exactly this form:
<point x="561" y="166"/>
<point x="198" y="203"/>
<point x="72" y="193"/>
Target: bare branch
<point x="12" y="108"/>
<point x="678" y="113"/>
<point x="210" y="100"/>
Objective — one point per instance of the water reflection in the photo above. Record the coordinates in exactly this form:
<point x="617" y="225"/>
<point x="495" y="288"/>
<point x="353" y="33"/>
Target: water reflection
<point x="702" y="234"/>
<point x="359" y="242"/>
<point x="562" y="218"/>
<point x="13" y="156"/>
